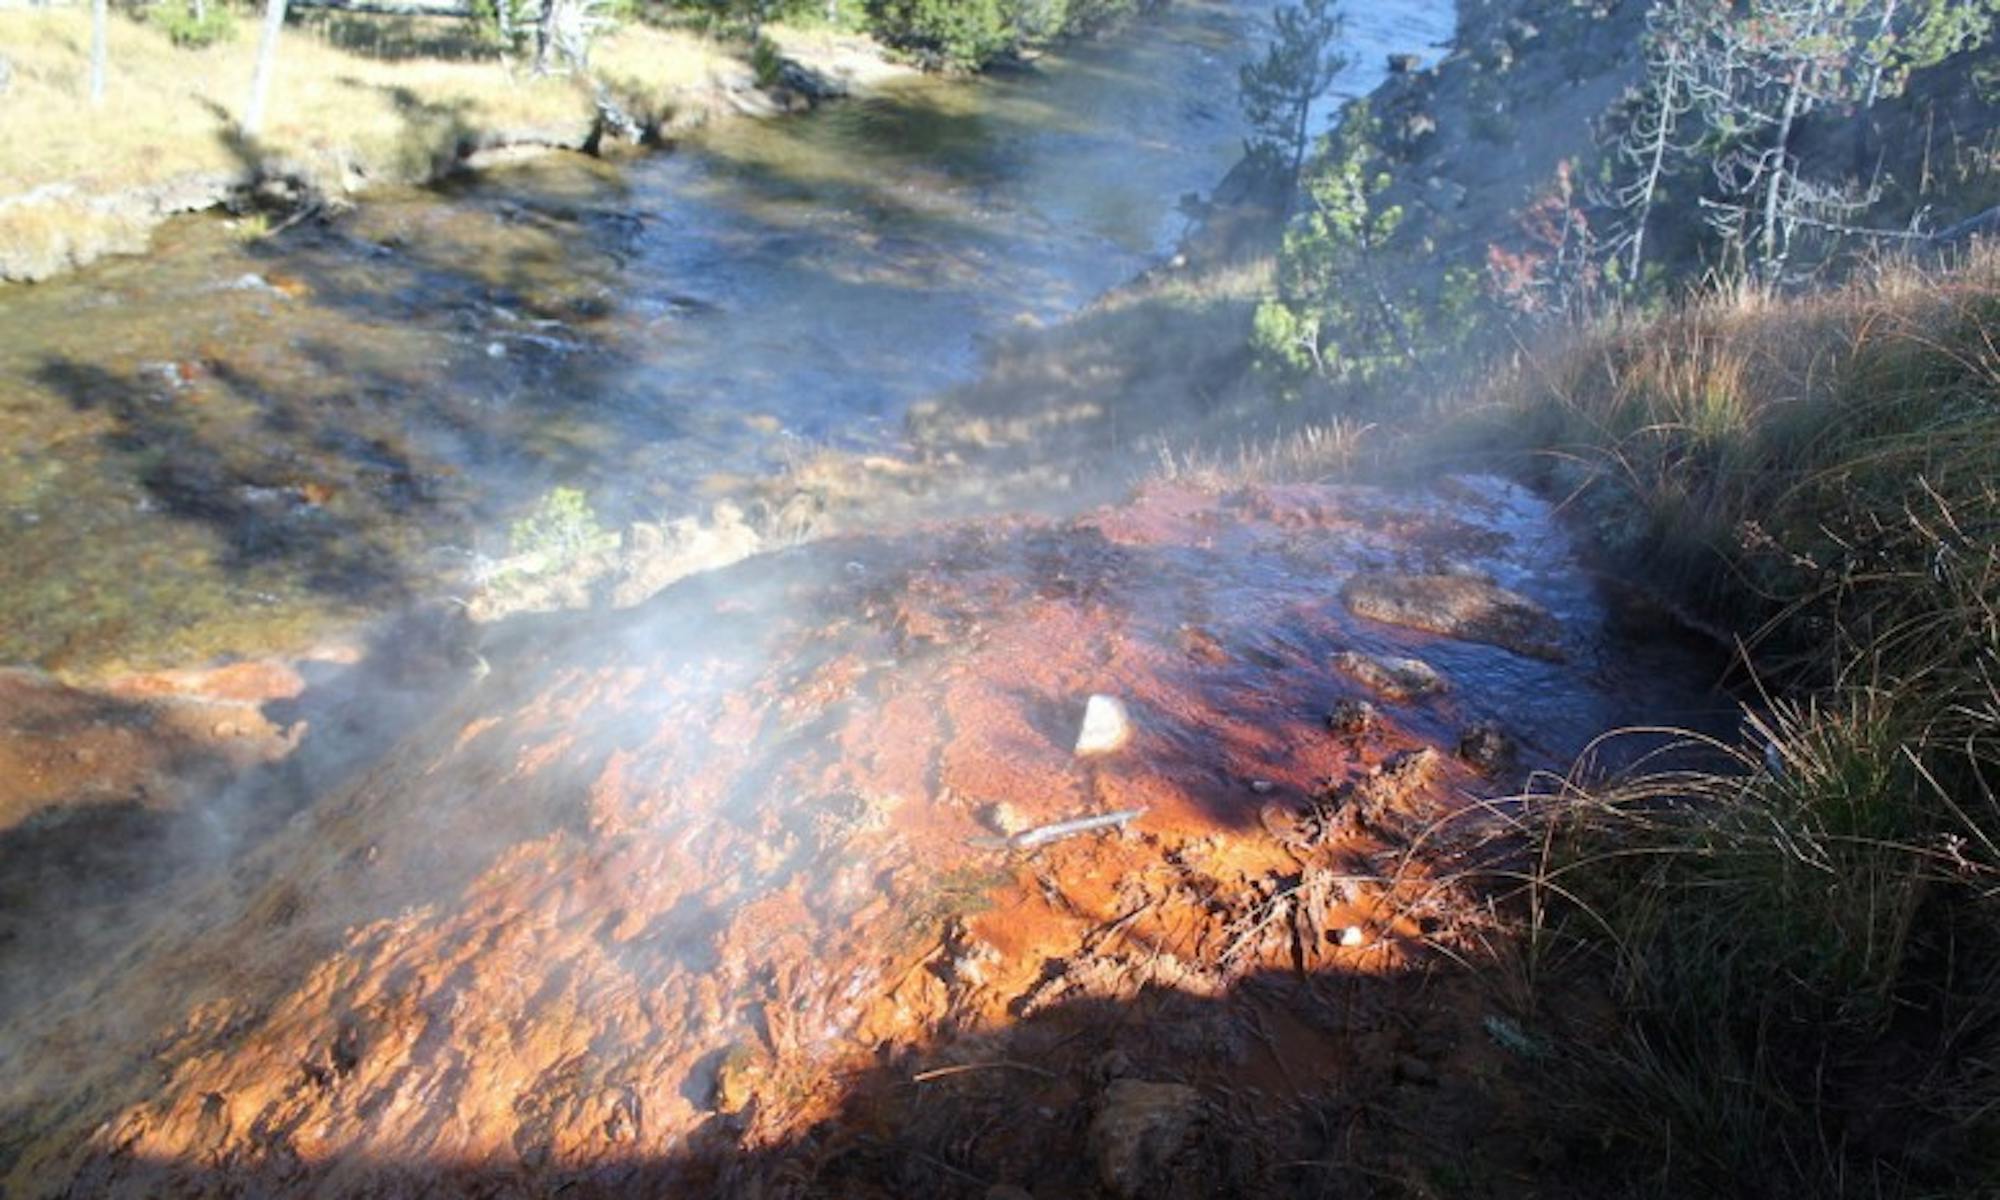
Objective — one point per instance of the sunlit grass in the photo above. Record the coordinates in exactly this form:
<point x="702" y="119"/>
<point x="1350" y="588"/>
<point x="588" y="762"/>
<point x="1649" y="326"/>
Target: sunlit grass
<point x="170" y="112"/>
<point x="404" y="110"/>
<point x="1801" y="940"/>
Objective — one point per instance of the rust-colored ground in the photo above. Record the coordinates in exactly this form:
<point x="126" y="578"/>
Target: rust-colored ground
<point x="707" y="897"/>
<point x="134" y="742"/>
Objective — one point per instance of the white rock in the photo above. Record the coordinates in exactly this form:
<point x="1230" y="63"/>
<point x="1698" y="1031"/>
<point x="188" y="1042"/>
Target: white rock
<point x="1106" y="726"/>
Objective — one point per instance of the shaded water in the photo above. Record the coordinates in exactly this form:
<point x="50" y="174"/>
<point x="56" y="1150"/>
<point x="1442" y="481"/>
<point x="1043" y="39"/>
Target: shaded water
<point x="221" y="446"/>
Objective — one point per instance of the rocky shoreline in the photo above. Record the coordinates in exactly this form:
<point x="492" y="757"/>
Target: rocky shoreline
<point x="806" y="71"/>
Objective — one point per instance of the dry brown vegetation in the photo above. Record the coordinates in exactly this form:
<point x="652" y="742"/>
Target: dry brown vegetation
<point x="401" y="108"/>
<point x="1766" y="965"/>
<point x="170" y="111"/>
<point x="1802" y="944"/>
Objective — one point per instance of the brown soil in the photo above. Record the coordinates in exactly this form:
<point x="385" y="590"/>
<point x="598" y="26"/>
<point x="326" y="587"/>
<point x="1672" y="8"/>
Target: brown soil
<point x="703" y="898"/>
<point x="135" y="742"/>
<point x="96" y="789"/>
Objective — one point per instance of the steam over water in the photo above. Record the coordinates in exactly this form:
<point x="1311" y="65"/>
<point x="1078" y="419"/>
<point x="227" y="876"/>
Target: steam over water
<point x="214" y="447"/>
<point x="681" y="896"/>
<point x="675" y="900"/>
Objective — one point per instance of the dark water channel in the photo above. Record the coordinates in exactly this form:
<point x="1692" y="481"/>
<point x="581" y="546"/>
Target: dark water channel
<point x="227" y="445"/>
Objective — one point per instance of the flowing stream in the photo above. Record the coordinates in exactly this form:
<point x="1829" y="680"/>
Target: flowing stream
<point x="226" y="444"/>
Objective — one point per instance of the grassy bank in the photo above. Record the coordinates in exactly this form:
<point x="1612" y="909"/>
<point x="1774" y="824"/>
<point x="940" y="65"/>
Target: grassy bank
<point x="353" y="102"/>
<point x="1777" y="974"/>
<point x="1802" y="948"/>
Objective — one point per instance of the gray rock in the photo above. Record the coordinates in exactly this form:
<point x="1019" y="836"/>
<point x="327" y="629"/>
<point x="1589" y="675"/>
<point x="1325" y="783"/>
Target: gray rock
<point x="1352" y="718"/>
<point x="1002" y="818"/>
<point x="1390" y="676"/>
<point x="1112" y="1064"/>
<point x="832" y="66"/>
<point x="1139" y="1129"/>
<point x="1457" y="606"/>
<point x="1486" y="747"/>
<point x="1106" y="727"/>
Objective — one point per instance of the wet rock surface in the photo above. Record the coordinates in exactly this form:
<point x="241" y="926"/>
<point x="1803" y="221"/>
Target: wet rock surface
<point x="63" y="746"/>
<point x="1392" y="677"/>
<point x="1458" y="606"/>
<point x="704" y="895"/>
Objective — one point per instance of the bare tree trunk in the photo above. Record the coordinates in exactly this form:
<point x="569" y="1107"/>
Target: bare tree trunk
<point x="1780" y="151"/>
<point x="267" y="54"/>
<point x="1656" y="165"/>
<point x="545" y="37"/>
<point x="1301" y="138"/>
<point x="1875" y="64"/>
<point x="100" y="33"/>
<point x="1646" y="206"/>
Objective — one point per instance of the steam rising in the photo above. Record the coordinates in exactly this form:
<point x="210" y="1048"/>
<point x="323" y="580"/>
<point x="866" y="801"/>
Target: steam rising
<point x="625" y="886"/>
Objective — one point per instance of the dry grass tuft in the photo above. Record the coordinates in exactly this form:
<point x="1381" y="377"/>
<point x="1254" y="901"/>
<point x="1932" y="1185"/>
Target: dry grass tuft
<point x="1312" y="452"/>
<point x="1802" y="937"/>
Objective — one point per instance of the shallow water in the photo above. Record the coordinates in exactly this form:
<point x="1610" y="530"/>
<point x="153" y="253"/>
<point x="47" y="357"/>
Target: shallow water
<point x="722" y="863"/>
<point x="225" y="445"/>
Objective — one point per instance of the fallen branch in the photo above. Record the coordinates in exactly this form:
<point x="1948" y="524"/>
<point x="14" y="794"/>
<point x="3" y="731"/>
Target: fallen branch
<point x="1042" y="835"/>
<point x="962" y="1068"/>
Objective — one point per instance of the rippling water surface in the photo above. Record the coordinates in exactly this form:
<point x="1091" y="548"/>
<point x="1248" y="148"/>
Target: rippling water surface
<point x="221" y="445"/>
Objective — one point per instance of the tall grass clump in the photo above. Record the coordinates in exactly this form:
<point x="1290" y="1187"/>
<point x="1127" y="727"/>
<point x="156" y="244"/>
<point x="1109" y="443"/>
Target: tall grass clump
<point x="193" y="26"/>
<point x="1802" y="938"/>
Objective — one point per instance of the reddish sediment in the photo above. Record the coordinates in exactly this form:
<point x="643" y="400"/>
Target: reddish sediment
<point x="700" y="895"/>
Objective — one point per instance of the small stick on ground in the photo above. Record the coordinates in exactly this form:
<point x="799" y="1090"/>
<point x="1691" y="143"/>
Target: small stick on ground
<point x="962" y="1068"/>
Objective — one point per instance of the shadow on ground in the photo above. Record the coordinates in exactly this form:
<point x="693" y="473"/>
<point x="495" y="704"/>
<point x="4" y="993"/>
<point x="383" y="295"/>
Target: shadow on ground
<point x="117" y="805"/>
<point x="1292" y="1085"/>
